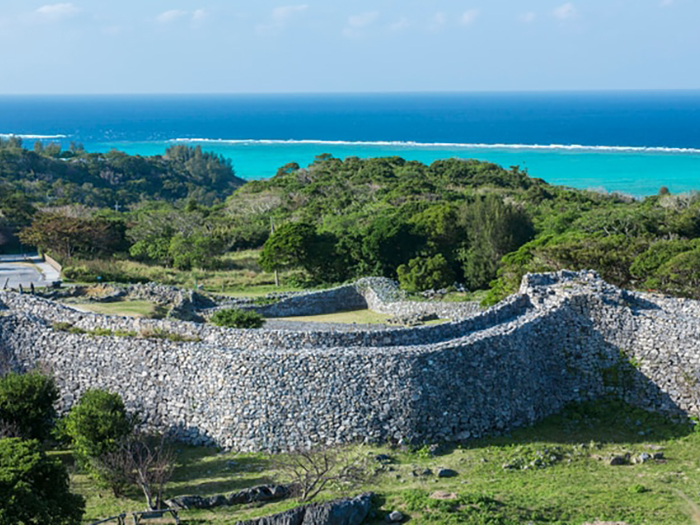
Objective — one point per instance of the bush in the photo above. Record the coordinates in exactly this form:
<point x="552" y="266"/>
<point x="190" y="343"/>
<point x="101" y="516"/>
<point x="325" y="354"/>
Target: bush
<point x="26" y="403"/>
<point x="109" y="270"/>
<point x="425" y="273"/>
<point x="233" y="318"/>
<point x="34" y="489"/>
<point x="97" y="424"/>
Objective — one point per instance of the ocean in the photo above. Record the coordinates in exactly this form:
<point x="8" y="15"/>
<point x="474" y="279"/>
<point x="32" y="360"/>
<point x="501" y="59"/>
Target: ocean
<point x="630" y="142"/>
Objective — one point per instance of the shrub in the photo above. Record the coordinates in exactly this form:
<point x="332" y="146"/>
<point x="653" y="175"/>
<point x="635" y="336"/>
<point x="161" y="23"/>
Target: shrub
<point x="96" y="424"/>
<point x="312" y="471"/>
<point x="62" y="326"/>
<point x="159" y="333"/>
<point x="26" y="403"/>
<point x="233" y="318"/>
<point x="143" y="461"/>
<point x="425" y="273"/>
<point x="34" y="488"/>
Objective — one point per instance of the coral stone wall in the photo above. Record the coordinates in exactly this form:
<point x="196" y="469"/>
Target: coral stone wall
<point x="564" y="337"/>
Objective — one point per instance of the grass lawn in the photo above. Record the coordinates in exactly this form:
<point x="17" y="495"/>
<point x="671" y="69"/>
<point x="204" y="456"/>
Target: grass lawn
<point x="559" y="473"/>
<point x="355" y="316"/>
<point x="239" y="272"/>
<point x="260" y="290"/>
<point x="125" y="308"/>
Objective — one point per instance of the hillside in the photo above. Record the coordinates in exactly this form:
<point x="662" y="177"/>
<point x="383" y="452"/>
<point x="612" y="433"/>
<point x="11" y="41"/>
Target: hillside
<point x="429" y="226"/>
<point x="49" y="176"/>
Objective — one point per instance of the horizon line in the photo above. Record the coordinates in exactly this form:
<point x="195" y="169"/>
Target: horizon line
<point x="388" y="92"/>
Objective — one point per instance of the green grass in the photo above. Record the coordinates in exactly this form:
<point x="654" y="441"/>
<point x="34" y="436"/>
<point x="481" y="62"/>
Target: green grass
<point x="452" y="297"/>
<point x="124" y="308"/>
<point x="355" y="316"/>
<point x="239" y="273"/>
<point x="573" y="484"/>
<point x="260" y="290"/>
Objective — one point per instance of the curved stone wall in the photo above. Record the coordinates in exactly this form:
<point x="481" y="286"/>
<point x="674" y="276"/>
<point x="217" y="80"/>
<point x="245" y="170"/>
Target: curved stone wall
<point x="564" y="337"/>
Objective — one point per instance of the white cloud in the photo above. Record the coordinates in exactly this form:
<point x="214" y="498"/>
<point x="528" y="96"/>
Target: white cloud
<point x="113" y="30"/>
<point x="282" y="14"/>
<point x="199" y="15"/>
<point x="527" y="18"/>
<point x="565" y="11"/>
<point x="401" y="24"/>
<point x="439" y="20"/>
<point x="356" y="23"/>
<point x="468" y="17"/>
<point x="363" y="19"/>
<point x="170" y="16"/>
<point x="280" y="17"/>
<point x="57" y="11"/>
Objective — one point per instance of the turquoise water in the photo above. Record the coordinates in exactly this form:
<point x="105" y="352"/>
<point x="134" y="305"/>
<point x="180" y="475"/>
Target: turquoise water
<point x="635" y="172"/>
<point x="632" y="142"/>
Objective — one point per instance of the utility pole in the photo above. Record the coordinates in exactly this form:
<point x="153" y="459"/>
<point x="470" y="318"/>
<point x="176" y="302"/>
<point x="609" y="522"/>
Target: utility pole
<point x="272" y="230"/>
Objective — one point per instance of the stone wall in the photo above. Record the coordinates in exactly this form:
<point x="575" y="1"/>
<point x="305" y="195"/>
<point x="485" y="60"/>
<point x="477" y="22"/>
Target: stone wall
<point x="564" y="337"/>
<point x="342" y="298"/>
<point x="378" y="294"/>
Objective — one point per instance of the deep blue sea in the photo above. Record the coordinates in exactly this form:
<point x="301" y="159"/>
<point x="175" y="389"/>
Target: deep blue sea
<point x="632" y="142"/>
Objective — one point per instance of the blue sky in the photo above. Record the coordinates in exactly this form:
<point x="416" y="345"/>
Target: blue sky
<point x="232" y="46"/>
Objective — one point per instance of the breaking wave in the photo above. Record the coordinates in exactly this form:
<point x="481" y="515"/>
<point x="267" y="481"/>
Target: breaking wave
<point x="432" y="145"/>
<point x="29" y="136"/>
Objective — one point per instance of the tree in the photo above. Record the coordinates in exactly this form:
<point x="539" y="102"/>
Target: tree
<point x="183" y="238"/>
<point x="97" y="424"/>
<point x="235" y="318"/>
<point x="494" y="229"/>
<point x="142" y="460"/>
<point x="681" y="275"/>
<point x="66" y="236"/>
<point x="389" y="242"/>
<point x="297" y="245"/>
<point x="27" y="404"/>
<point x="34" y="489"/>
<point x="194" y="251"/>
<point x="425" y="273"/>
<point x="312" y="471"/>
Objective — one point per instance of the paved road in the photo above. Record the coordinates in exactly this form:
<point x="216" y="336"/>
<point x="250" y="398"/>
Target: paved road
<point x="16" y="270"/>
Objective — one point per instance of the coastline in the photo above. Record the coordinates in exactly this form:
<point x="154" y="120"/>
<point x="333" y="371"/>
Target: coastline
<point x="631" y="170"/>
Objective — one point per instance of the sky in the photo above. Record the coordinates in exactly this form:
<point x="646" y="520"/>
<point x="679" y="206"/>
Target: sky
<point x="291" y="46"/>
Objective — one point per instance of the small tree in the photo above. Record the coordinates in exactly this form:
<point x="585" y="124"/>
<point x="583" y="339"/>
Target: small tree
<point x="97" y="424"/>
<point x="298" y="245"/>
<point x="27" y="404"/>
<point x="34" y="488"/>
<point x="234" y="318"/>
<point x="67" y="236"/>
<point x="141" y="460"/>
<point x="312" y="471"/>
<point x="425" y="273"/>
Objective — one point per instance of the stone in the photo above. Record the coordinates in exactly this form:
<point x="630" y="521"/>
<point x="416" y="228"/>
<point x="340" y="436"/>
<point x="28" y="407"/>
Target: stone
<point x="446" y="473"/>
<point x="339" y="512"/>
<point x="618" y="460"/>
<point x="644" y="457"/>
<point x="443" y="495"/>
<point x="394" y="517"/>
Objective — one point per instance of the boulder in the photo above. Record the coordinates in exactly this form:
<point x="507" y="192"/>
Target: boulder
<point x="339" y="512"/>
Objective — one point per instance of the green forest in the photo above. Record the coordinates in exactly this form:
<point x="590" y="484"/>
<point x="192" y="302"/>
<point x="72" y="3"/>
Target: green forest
<point x="428" y="226"/>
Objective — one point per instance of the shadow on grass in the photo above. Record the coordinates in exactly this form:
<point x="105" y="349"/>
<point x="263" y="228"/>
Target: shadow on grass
<point x="606" y="421"/>
<point x="205" y="472"/>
